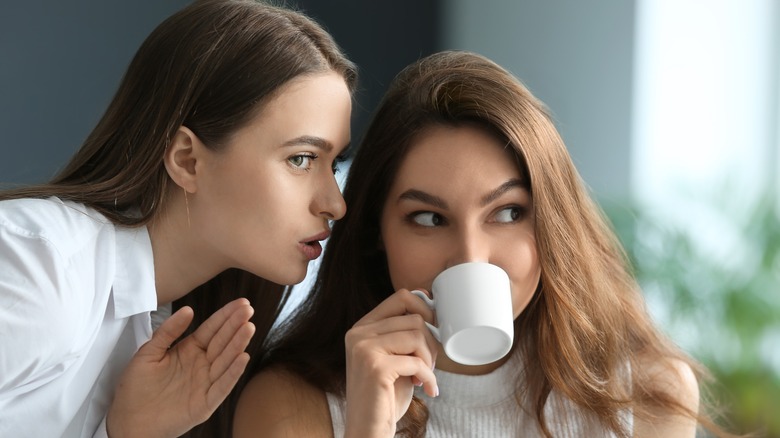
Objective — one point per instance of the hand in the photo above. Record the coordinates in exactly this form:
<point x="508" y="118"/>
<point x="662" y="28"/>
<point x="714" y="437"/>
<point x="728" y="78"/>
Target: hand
<point x="165" y="391"/>
<point x="389" y="351"/>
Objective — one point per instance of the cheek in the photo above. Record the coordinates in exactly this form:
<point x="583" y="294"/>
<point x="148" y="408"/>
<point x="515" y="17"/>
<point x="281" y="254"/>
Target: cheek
<point x="411" y="263"/>
<point x="401" y="265"/>
<point x="235" y="185"/>
<point x="524" y="275"/>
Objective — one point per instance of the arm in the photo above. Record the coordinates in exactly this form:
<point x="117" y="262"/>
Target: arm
<point x="674" y="377"/>
<point x="276" y="403"/>
<point x="165" y="391"/>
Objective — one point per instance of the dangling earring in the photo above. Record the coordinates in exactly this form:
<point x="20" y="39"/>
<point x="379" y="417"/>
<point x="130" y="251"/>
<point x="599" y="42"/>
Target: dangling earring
<point x="187" y="206"/>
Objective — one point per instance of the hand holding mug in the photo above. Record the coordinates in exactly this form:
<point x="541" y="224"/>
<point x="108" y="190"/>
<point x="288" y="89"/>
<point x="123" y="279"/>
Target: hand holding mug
<point x="388" y="351"/>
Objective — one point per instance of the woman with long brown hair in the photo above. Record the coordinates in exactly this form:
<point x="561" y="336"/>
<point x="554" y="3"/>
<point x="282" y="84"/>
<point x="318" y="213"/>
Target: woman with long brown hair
<point x="208" y="183"/>
<point x="462" y="163"/>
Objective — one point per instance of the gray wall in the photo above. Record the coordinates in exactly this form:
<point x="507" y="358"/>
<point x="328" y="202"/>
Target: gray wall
<point x="381" y="37"/>
<point x="577" y="57"/>
<point x="60" y="63"/>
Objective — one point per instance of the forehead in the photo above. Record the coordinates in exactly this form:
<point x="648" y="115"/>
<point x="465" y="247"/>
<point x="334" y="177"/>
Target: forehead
<point x="456" y="153"/>
<point x="317" y="105"/>
<point x="313" y="92"/>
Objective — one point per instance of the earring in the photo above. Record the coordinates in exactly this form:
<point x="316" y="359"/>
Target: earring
<point x="187" y="206"/>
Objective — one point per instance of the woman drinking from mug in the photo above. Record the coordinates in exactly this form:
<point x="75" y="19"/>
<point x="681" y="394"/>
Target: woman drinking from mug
<point x="462" y="164"/>
<point x="210" y="175"/>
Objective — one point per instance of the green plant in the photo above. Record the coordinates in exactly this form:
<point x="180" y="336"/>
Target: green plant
<point x="717" y="294"/>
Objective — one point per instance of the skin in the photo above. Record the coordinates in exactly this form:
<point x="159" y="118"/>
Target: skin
<point x="260" y="204"/>
<point x="265" y="193"/>
<point x="430" y="221"/>
<point x="677" y="378"/>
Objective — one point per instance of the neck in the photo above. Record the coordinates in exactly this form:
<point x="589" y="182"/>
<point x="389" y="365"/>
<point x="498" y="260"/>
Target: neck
<point x="180" y="264"/>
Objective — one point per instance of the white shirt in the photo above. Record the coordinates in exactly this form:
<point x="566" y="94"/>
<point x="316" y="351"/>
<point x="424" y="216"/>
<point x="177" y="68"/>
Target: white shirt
<point x="76" y="293"/>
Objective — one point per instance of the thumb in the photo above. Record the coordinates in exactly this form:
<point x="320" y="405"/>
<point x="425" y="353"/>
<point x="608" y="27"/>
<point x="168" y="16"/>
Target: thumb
<point x="167" y="333"/>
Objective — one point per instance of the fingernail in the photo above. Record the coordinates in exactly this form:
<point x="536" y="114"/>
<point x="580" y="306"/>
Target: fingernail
<point x="436" y="391"/>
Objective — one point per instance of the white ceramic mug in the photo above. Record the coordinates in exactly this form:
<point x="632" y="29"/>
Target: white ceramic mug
<point x="473" y="304"/>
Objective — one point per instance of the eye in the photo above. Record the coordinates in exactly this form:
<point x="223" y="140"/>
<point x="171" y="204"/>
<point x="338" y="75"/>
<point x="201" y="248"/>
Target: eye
<point x="302" y="161"/>
<point x="509" y="214"/>
<point x="427" y="219"/>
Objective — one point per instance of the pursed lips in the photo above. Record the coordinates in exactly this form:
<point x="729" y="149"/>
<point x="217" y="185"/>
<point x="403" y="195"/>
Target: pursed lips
<point x="311" y="247"/>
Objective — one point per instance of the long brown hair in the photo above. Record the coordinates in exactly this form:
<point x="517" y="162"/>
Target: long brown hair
<point x="586" y="326"/>
<point x="209" y="67"/>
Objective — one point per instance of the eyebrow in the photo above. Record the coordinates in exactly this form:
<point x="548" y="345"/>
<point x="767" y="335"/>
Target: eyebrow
<point x="503" y="188"/>
<point x="310" y="140"/>
<point x="427" y="198"/>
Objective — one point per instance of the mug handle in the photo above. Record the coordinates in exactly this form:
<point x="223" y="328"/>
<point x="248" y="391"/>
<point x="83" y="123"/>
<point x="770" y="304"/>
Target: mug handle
<point x="432" y="305"/>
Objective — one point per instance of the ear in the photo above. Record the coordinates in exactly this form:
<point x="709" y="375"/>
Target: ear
<point x="181" y="159"/>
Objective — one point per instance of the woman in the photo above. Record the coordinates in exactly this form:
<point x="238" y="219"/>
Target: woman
<point x="461" y="163"/>
<point x="211" y="177"/>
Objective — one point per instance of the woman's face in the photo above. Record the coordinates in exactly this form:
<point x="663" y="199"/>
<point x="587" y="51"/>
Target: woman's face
<point x="264" y="201"/>
<point x="459" y="197"/>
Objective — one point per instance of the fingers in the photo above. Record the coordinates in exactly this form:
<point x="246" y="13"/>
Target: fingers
<point x="402" y="343"/>
<point x="399" y="303"/>
<point x="225" y="336"/>
<point x="235" y="348"/>
<point x="400" y="311"/>
<point x="220" y="327"/>
<point x="414" y="328"/>
<point x="398" y="346"/>
<point x="413" y="341"/>
<point x="229" y="331"/>
<point x="221" y="387"/>
<point x="392" y="356"/>
<point x="166" y="334"/>
<point x="409" y="366"/>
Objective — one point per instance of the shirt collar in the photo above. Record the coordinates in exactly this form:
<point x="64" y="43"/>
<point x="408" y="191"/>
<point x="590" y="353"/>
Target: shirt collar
<point x="134" y="287"/>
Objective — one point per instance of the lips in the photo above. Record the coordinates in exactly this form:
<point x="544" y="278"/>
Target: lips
<point x="311" y="246"/>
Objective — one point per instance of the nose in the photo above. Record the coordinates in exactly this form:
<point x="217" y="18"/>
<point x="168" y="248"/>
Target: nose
<point x="471" y="244"/>
<point x="329" y="203"/>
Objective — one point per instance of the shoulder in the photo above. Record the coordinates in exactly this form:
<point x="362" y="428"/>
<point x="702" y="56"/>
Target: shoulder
<point x="676" y="378"/>
<point x="280" y="403"/>
<point x="51" y="221"/>
<point x="43" y="297"/>
<point x="48" y="245"/>
<point x="40" y="303"/>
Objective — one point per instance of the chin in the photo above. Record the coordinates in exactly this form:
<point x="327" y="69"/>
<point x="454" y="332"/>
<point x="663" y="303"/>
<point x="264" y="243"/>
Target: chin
<point x="284" y="275"/>
<point x="288" y="278"/>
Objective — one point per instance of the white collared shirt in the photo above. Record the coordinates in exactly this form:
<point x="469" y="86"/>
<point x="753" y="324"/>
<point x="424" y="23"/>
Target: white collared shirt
<point x="76" y="293"/>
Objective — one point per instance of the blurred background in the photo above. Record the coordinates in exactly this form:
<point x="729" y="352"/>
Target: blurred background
<point x="670" y="109"/>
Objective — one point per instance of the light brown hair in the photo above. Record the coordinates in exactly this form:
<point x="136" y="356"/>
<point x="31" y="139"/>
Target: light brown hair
<point x="586" y="325"/>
